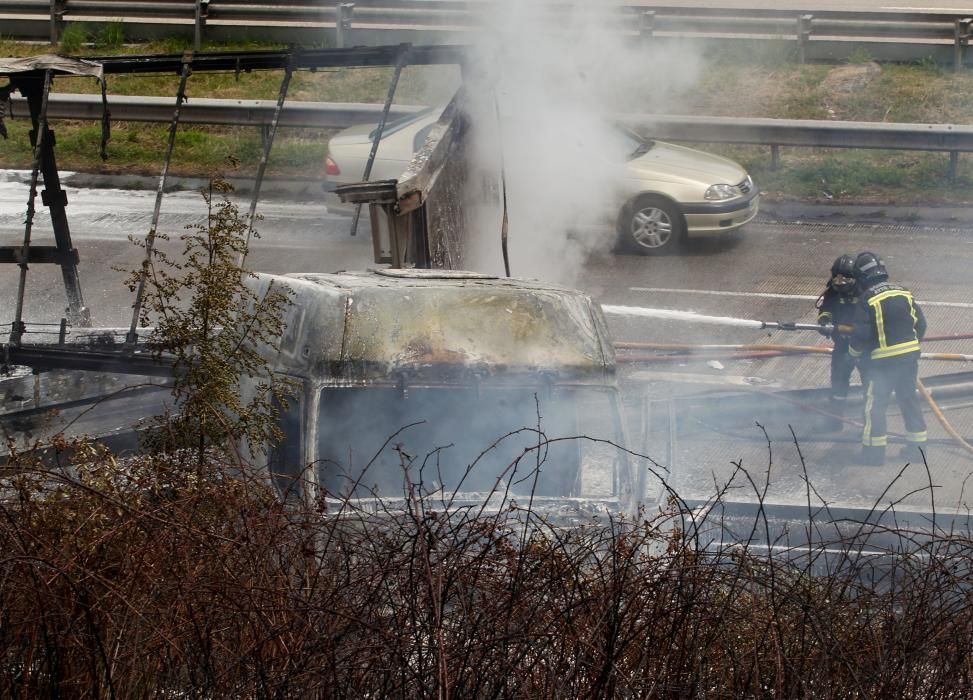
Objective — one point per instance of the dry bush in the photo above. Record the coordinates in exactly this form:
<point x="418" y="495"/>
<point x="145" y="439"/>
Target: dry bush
<point x="149" y="578"/>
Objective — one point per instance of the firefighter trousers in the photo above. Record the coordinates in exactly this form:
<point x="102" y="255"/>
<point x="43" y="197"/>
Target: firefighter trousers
<point x="842" y="366"/>
<point x="886" y="376"/>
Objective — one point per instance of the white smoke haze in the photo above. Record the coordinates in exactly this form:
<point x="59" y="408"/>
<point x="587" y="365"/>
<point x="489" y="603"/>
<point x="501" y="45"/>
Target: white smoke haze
<point x="543" y="96"/>
<point x="465" y="439"/>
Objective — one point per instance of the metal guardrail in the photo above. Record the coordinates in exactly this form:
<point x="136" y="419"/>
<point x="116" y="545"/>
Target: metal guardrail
<point x="258" y="113"/>
<point x="47" y="18"/>
<point x="949" y="138"/>
<point x="775" y="133"/>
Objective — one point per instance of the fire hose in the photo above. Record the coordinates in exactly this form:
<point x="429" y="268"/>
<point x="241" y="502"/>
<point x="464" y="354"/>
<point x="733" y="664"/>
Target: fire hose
<point x="947" y="426"/>
<point x="755" y="350"/>
<point x="689" y="351"/>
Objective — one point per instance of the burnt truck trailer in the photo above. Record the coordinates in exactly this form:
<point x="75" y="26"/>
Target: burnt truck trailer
<point x="417" y="378"/>
<point x="421" y="378"/>
<point x="454" y="386"/>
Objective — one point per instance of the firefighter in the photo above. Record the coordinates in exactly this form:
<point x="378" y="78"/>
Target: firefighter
<point x="836" y="310"/>
<point x="888" y="327"/>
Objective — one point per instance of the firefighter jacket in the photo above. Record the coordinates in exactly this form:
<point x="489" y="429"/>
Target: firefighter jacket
<point x="837" y="308"/>
<point x="888" y="323"/>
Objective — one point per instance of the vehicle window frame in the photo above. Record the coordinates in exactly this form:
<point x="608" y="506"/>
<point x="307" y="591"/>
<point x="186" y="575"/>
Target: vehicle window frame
<point x="299" y="400"/>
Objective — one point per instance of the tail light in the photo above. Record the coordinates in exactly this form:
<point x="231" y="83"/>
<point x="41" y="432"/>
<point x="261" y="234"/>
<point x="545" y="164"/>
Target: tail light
<point x="330" y="167"/>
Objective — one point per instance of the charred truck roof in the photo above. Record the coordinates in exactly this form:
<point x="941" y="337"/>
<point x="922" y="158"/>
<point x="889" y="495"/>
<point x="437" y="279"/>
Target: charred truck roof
<point x="438" y="326"/>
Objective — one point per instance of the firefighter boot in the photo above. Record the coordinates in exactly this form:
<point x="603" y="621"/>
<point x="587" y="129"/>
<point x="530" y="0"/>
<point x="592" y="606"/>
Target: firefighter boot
<point x="873" y="456"/>
<point x="913" y="452"/>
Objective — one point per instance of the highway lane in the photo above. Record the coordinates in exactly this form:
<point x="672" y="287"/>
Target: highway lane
<point x="770" y="271"/>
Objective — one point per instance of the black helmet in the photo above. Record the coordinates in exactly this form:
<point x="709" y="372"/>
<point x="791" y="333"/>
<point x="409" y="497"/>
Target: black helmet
<point x="843" y="274"/>
<point x="869" y="269"/>
<point x="844" y="265"/>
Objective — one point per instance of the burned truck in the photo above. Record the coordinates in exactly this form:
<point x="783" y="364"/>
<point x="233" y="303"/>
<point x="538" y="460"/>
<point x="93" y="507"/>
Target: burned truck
<point x="421" y="379"/>
<point x="454" y="386"/>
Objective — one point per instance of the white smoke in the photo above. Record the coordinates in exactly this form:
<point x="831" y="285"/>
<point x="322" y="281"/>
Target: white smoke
<point x="543" y="95"/>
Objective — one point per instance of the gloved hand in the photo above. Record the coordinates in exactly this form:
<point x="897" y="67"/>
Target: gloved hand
<point x="825" y="329"/>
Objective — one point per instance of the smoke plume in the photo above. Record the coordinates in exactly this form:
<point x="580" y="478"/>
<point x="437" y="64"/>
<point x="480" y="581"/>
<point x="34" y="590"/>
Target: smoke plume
<point x="544" y="89"/>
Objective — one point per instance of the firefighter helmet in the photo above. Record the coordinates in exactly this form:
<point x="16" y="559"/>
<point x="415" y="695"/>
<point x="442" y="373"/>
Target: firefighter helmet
<point x="869" y="269"/>
<point x="843" y="274"/>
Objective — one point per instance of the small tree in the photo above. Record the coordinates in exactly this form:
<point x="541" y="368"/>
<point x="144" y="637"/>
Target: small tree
<point x="205" y="318"/>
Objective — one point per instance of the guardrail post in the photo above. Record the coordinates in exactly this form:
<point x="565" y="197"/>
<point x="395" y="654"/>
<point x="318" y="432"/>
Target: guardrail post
<point x="343" y="24"/>
<point x="199" y="22"/>
<point x="774" y="156"/>
<point x="57" y="14"/>
<point x="646" y="26"/>
<point x="953" y="165"/>
<point x="803" y="36"/>
<point x="961" y="34"/>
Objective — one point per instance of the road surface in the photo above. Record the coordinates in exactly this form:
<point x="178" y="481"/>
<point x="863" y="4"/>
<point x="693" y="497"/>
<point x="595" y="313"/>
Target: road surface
<point x="772" y="270"/>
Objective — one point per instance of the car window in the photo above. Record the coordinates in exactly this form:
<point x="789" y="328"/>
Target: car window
<point x="402" y="122"/>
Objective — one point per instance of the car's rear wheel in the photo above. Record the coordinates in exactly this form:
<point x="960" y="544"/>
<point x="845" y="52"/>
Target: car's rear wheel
<point x="651" y="225"/>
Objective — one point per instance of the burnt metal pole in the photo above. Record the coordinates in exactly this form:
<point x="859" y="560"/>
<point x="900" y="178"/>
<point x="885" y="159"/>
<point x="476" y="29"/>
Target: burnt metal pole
<point x="56" y="200"/>
<point x="199" y="23"/>
<point x="268" y="142"/>
<point x="36" y="92"/>
<point x="56" y="9"/>
<point x="38" y="136"/>
<point x="342" y="25"/>
<point x="399" y="64"/>
<point x="132" y="338"/>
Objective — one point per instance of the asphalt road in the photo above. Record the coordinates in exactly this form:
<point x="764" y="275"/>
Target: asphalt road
<point x="772" y="270"/>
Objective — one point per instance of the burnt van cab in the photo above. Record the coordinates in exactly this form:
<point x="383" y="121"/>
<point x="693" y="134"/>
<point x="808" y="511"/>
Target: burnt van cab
<point x="453" y="386"/>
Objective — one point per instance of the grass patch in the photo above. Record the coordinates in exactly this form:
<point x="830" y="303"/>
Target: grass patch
<point x="848" y="176"/>
<point x="199" y="151"/>
<point x="860" y="55"/>
<point x="73" y="38"/>
<point x="203" y="150"/>
<point x="758" y="81"/>
<point x="760" y="52"/>
<point x="111" y="36"/>
<point x="417" y="84"/>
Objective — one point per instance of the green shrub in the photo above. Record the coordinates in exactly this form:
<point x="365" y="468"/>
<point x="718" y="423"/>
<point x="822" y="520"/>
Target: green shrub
<point x="210" y="323"/>
<point x="859" y="55"/>
<point x="73" y="38"/>
<point x="111" y="36"/>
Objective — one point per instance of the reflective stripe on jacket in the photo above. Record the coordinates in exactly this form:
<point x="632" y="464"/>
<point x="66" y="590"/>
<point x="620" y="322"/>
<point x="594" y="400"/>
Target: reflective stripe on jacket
<point x="889" y="323"/>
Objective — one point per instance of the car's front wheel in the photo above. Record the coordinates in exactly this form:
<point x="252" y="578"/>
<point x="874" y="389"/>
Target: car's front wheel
<point x="651" y="225"/>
